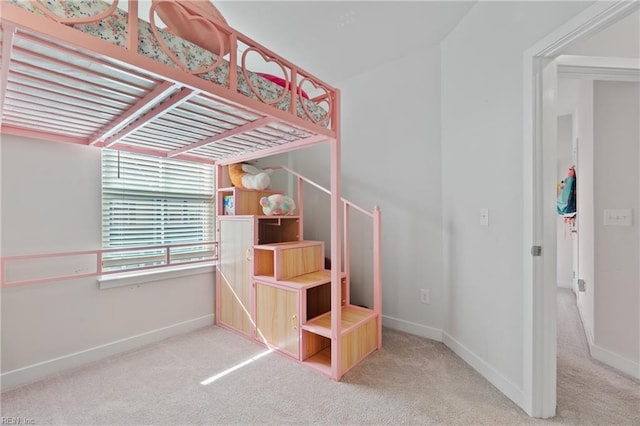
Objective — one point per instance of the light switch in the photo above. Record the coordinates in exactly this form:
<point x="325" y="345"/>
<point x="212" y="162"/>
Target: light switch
<point x="484" y="216"/>
<point x="617" y="217"/>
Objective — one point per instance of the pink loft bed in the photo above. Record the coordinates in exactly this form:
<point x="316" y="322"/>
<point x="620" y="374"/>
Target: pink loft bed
<point x="87" y="72"/>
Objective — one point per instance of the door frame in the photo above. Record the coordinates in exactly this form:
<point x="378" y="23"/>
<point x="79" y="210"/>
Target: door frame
<point x="539" y="287"/>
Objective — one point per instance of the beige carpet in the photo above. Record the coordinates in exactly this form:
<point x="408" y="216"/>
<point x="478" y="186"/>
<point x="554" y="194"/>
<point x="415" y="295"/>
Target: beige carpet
<point x="589" y="392"/>
<point x="410" y="381"/>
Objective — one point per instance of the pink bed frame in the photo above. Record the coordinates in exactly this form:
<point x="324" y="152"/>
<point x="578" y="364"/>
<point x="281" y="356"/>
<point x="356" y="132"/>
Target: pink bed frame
<point x="24" y="32"/>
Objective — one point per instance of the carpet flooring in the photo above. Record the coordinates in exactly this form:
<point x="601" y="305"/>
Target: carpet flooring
<point x="411" y="380"/>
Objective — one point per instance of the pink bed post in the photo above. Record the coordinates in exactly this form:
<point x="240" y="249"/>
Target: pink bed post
<point x="377" y="270"/>
<point x="336" y="247"/>
<point x="347" y="252"/>
<point x="300" y="209"/>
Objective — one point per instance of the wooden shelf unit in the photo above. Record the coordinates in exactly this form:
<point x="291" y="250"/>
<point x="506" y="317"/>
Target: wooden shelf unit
<point x="245" y="201"/>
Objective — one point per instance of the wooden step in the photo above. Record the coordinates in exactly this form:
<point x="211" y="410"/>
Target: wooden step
<point x="288" y="245"/>
<point x="283" y="261"/>
<point x="312" y="279"/>
<point x="352" y="317"/>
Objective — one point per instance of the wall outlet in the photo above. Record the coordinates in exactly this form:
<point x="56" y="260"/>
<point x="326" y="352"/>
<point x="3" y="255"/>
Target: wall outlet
<point x="424" y="296"/>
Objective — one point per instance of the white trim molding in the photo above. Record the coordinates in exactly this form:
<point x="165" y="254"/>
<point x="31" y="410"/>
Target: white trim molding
<point x="616" y="361"/>
<point x="539" y="396"/>
<point x="599" y="68"/>
<point x="412" y="328"/>
<point x="504" y="385"/>
<point x="153" y="275"/>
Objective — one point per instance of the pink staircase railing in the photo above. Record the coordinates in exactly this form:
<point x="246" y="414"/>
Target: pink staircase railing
<point x="375" y="216"/>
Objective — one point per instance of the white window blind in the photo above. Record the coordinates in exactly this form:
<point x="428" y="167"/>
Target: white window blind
<point x="151" y="201"/>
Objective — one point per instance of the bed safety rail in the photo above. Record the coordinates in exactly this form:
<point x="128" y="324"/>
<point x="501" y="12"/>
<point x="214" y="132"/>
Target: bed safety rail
<point x="43" y="268"/>
<point x="152" y="90"/>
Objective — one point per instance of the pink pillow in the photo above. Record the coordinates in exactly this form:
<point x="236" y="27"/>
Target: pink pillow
<point x="280" y="82"/>
<point x="196" y="31"/>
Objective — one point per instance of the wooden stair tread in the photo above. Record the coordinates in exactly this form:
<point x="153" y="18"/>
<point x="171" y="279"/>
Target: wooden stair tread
<point x="287" y="245"/>
<point x="351" y="316"/>
<point x="309" y="280"/>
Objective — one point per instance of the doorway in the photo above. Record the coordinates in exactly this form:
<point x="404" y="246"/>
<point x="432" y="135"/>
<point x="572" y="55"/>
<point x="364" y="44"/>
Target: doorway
<point x="540" y="222"/>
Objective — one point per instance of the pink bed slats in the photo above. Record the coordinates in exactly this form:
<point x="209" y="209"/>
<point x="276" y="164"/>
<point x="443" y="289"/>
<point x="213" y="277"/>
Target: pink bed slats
<point x="66" y="85"/>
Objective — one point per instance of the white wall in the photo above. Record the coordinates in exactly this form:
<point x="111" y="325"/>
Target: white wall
<point x="564" y="252"/>
<point x="617" y="186"/>
<point x="482" y="101"/>
<point x="51" y="202"/>
<point x="391" y="157"/>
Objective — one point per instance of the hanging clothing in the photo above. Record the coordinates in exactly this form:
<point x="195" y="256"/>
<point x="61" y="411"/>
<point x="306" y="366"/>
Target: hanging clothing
<point x="567" y="194"/>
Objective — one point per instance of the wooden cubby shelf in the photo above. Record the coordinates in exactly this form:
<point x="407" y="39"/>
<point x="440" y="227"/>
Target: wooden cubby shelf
<point x="286" y="260"/>
<point x="352" y="317"/>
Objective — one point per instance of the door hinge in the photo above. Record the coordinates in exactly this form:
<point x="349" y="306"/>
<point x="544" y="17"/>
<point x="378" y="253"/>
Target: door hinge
<point x="536" y="250"/>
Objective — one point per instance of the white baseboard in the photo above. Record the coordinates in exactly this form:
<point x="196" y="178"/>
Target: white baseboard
<point x="412" y="328"/>
<point x="39" y="371"/>
<point x="587" y="330"/>
<point x="504" y="385"/>
<point x="605" y="356"/>
<point x="616" y="361"/>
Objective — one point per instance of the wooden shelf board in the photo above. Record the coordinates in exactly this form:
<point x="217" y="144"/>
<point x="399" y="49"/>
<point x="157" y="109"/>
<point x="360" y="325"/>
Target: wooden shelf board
<point x="320" y="361"/>
<point x="287" y="244"/>
<point x="312" y="279"/>
<point x="236" y="188"/>
<point x="351" y="317"/>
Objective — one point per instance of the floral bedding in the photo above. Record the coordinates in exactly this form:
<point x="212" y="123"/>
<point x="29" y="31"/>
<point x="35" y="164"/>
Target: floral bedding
<point x="114" y="29"/>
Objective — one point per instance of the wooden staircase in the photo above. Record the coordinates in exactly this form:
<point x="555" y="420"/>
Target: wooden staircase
<point x="289" y="277"/>
<point x="274" y="287"/>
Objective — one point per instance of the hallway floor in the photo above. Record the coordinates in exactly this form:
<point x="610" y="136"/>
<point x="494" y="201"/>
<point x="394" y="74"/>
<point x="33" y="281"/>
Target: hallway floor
<point x="588" y="390"/>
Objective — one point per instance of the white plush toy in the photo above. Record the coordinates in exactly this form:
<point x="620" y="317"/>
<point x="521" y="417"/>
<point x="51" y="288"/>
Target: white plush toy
<point x="245" y="175"/>
<point x="277" y="204"/>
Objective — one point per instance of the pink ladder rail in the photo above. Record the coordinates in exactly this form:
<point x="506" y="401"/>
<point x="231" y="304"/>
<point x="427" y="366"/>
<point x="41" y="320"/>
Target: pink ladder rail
<point x="100" y="269"/>
<point x="376" y="217"/>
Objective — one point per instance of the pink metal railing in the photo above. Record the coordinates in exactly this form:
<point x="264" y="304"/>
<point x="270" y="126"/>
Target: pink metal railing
<point x="376" y="218"/>
<point x="162" y="255"/>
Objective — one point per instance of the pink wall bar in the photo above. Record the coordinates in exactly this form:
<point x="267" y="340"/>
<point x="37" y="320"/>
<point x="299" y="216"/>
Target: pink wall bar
<point x="163" y="253"/>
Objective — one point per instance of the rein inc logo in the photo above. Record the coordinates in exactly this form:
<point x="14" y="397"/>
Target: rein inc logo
<point x="16" y="421"/>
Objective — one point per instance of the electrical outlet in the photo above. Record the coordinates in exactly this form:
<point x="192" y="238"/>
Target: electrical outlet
<point x="424" y="296"/>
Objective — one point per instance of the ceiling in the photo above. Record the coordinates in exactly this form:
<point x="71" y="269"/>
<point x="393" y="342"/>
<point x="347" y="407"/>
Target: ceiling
<point x="335" y="40"/>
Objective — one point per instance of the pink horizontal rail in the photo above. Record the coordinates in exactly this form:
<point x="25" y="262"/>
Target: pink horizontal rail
<point x="99" y="260"/>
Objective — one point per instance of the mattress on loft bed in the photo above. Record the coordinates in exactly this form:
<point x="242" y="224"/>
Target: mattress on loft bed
<point x="114" y="30"/>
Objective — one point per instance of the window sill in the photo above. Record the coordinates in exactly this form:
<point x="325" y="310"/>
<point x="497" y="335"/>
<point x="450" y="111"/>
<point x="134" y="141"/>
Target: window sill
<point x="141" y="277"/>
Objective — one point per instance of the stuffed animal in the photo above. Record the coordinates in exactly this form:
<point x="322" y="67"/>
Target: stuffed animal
<point x="245" y="175"/>
<point x="277" y="204"/>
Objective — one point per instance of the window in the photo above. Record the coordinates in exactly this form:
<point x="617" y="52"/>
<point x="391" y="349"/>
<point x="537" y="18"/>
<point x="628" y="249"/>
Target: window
<point x="149" y="203"/>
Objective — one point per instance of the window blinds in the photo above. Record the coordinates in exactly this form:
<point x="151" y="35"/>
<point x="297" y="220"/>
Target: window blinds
<point x="149" y="201"/>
